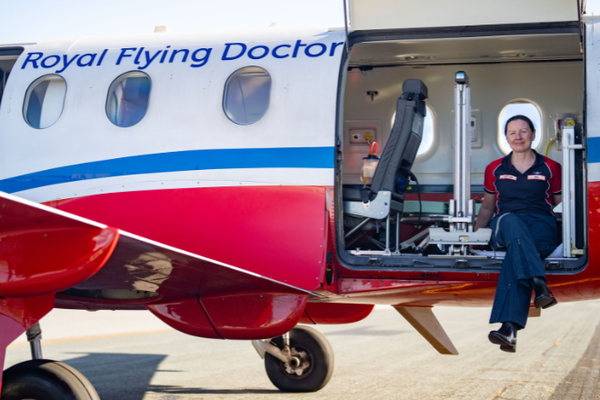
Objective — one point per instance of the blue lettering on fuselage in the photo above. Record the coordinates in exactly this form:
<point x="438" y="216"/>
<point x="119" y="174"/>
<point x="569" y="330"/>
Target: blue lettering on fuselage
<point x="227" y="56"/>
<point x="162" y="59"/>
<point x="258" y="52"/>
<point x="149" y="58"/>
<point x="141" y="58"/>
<point x="66" y="62"/>
<point x="32" y="60"/>
<point x="124" y="54"/>
<point x="277" y="54"/>
<point x="50" y="61"/>
<point x="200" y="62"/>
<point x="297" y="47"/>
<point x="318" y="53"/>
<point x="89" y="60"/>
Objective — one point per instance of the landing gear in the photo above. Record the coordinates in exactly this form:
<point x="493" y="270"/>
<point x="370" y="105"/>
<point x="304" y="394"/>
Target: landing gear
<point x="34" y="337"/>
<point x="40" y="379"/>
<point x="310" y="364"/>
<point x="46" y="380"/>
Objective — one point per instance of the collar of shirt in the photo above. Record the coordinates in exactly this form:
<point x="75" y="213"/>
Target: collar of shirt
<point x="539" y="160"/>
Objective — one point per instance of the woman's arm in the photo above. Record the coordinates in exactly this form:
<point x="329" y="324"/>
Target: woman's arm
<point x="557" y="198"/>
<point x="486" y="212"/>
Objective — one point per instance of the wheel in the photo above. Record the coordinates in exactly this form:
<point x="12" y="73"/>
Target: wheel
<point x="46" y="380"/>
<point x="315" y="362"/>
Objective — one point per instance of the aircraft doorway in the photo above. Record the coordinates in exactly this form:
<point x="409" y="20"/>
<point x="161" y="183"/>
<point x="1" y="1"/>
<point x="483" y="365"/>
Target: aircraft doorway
<point x="536" y="67"/>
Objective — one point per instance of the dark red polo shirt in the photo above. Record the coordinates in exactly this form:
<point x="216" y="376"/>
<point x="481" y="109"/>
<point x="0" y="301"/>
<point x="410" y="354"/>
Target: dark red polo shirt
<point x="528" y="193"/>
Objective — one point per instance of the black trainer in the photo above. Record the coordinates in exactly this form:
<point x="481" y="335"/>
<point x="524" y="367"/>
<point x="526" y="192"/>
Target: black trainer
<point x="506" y="337"/>
<point x="543" y="296"/>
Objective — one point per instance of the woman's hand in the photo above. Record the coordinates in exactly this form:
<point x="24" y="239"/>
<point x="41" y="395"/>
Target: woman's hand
<point x="486" y="212"/>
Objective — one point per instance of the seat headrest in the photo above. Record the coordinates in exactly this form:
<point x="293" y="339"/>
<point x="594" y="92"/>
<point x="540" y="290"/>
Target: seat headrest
<point x="416" y="87"/>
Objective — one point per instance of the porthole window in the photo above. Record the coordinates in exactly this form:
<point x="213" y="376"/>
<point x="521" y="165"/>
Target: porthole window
<point x="427" y="139"/>
<point x="527" y="109"/>
<point x="247" y="95"/>
<point x="44" y="101"/>
<point x="127" y="100"/>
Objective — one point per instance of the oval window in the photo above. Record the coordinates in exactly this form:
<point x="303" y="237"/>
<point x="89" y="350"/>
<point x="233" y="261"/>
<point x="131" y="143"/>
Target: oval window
<point x="44" y="101"/>
<point x="527" y="109"/>
<point x="127" y="100"/>
<point x="427" y="138"/>
<point x="247" y="95"/>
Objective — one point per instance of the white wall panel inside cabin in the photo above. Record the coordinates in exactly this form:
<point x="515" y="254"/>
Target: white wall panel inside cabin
<point x="556" y="88"/>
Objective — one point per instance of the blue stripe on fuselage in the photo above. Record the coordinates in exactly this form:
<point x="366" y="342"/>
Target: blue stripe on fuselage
<point x="192" y="160"/>
<point x="593" y="149"/>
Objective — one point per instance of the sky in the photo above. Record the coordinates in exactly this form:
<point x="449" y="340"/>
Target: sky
<point x="27" y="20"/>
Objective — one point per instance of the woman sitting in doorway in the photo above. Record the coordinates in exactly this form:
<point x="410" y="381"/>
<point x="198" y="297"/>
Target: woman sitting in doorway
<point x="521" y="189"/>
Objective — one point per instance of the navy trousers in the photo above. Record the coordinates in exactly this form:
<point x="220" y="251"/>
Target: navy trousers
<point x="528" y="240"/>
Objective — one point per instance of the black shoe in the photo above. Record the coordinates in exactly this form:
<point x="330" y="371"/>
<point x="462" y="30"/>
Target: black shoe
<point x="509" y="349"/>
<point x="506" y="337"/>
<point x="543" y="295"/>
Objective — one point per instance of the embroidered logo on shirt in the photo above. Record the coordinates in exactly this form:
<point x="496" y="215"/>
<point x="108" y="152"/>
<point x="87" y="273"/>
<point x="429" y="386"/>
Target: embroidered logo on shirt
<point x="511" y="177"/>
<point x="536" y="178"/>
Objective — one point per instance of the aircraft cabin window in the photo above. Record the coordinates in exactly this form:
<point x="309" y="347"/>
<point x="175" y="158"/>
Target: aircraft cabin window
<point x="428" y="132"/>
<point x="44" y="101"/>
<point x="247" y="95"/>
<point x="527" y="109"/>
<point x="127" y="100"/>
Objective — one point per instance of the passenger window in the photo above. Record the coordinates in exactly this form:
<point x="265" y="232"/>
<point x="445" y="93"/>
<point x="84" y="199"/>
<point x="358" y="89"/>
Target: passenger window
<point x="44" y="101"/>
<point x="128" y="99"/>
<point x="247" y="95"/>
<point x="428" y="132"/>
<point x="527" y="109"/>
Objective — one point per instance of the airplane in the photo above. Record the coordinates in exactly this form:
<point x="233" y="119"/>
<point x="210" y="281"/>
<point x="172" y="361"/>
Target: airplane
<point x="229" y="182"/>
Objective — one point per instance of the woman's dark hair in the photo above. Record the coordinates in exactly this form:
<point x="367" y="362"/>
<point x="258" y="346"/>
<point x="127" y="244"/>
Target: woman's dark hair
<point x="516" y="118"/>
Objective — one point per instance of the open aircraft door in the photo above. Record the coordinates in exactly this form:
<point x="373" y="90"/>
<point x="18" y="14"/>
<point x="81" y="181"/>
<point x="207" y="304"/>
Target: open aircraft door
<point x="366" y="15"/>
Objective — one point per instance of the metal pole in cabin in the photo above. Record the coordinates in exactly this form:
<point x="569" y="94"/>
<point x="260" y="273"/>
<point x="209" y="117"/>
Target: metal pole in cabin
<point x="462" y="148"/>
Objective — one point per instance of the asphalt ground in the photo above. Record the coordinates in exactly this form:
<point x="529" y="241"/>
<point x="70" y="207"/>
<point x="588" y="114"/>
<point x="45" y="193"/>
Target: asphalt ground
<point x="134" y="356"/>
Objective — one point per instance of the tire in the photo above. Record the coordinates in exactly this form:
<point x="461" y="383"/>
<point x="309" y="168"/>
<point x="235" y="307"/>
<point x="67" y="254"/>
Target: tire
<point x="316" y="357"/>
<point x="46" y="380"/>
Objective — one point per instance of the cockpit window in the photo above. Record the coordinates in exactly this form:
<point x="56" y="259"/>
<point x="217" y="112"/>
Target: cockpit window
<point x="522" y="107"/>
<point x="44" y="101"/>
<point x="127" y="100"/>
<point x="247" y="95"/>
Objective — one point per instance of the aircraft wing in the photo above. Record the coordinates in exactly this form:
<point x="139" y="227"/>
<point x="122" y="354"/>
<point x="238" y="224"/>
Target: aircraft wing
<point x="92" y="266"/>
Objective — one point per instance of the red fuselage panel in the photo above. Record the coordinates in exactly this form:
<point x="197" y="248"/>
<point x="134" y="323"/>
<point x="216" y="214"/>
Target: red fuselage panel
<point x="277" y="232"/>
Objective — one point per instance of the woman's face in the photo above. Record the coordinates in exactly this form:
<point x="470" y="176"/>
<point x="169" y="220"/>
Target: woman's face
<point x="519" y="136"/>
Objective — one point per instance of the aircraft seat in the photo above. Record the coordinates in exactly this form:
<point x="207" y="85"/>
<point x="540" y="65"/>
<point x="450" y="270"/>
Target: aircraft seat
<point x="396" y="160"/>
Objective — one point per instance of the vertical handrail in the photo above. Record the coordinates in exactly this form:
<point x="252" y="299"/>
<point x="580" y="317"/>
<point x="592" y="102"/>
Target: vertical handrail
<point x="567" y="136"/>
<point x="568" y="189"/>
<point x="462" y="149"/>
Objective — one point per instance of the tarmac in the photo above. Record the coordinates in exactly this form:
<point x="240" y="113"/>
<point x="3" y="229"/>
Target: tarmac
<point x="131" y="355"/>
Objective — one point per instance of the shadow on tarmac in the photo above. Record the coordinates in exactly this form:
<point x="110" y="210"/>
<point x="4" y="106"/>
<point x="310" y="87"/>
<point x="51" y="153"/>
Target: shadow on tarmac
<point x="117" y="375"/>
